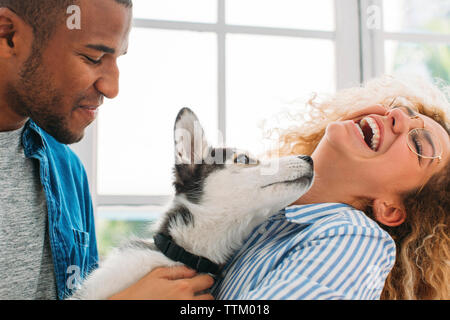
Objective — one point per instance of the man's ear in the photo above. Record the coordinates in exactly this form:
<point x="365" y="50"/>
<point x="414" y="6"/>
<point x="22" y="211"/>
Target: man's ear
<point x="11" y="28"/>
<point x="391" y="213"/>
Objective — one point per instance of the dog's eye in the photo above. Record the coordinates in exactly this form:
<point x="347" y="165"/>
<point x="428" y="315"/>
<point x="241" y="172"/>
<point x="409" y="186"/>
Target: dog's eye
<point x="242" y="159"/>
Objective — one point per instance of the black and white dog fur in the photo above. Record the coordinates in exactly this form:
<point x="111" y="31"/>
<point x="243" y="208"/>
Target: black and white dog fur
<point x="222" y="194"/>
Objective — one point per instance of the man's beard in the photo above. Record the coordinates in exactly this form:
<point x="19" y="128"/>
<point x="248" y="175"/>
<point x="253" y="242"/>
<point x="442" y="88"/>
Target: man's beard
<point x="35" y="98"/>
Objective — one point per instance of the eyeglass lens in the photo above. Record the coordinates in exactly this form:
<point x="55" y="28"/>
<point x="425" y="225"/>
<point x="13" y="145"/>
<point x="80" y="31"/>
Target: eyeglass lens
<point x="420" y="140"/>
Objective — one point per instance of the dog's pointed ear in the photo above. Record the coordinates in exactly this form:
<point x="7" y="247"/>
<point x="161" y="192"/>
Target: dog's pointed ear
<point x="191" y="146"/>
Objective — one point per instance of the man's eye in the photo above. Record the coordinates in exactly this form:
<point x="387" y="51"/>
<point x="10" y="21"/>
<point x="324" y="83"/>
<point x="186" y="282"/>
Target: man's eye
<point x="93" y="61"/>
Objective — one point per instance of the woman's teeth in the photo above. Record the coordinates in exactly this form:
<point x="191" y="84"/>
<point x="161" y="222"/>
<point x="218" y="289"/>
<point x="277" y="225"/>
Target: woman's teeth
<point x="360" y="130"/>
<point x="371" y="123"/>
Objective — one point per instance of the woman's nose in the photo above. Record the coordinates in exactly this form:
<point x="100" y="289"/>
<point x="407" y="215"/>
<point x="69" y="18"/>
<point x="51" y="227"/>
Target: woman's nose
<point x="402" y="122"/>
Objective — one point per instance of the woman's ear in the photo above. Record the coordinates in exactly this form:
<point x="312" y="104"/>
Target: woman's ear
<point x="389" y="213"/>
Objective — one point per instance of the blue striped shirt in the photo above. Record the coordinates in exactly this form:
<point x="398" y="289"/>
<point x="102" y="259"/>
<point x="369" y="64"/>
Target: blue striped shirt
<point x="316" y="251"/>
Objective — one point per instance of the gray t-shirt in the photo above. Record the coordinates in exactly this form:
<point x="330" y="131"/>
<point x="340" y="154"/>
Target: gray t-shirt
<point x="26" y="266"/>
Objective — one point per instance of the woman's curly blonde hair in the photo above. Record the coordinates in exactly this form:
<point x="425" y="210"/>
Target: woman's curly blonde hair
<point x="422" y="265"/>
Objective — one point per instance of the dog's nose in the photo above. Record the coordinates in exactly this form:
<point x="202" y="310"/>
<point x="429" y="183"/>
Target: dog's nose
<point x="308" y="159"/>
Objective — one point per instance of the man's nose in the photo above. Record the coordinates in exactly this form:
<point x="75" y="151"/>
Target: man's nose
<point x="108" y="83"/>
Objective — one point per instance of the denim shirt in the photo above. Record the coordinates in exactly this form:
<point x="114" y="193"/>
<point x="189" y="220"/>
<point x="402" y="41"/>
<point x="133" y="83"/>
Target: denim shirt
<point x="69" y="205"/>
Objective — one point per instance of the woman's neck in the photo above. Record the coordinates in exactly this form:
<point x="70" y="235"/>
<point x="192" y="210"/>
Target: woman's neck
<point x="328" y="186"/>
<point x="320" y="192"/>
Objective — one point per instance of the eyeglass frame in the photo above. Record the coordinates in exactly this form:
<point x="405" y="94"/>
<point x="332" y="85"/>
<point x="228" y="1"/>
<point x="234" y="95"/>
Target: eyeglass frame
<point x="416" y="116"/>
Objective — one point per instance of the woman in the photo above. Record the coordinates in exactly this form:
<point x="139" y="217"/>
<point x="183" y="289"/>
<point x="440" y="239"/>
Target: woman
<point x="381" y="153"/>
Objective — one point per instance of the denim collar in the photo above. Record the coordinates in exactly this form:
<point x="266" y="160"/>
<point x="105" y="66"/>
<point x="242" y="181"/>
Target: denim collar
<point x="32" y="140"/>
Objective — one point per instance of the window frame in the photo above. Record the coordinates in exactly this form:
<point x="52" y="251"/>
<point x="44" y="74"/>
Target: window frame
<point x="373" y="41"/>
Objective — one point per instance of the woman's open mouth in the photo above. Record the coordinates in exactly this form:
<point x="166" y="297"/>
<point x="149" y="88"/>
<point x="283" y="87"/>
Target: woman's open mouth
<point x="370" y="132"/>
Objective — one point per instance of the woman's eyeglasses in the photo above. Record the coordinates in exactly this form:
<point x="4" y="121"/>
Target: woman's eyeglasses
<point x="420" y="140"/>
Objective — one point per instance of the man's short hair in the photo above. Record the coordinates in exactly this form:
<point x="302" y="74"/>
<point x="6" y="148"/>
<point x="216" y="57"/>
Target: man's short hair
<point x="44" y="15"/>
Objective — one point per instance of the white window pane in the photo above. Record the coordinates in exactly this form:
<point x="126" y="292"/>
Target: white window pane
<point x="311" y="15"/>
<point x="429" y="60"/>
<point x="177" y="10"/>
<point x="162" y="72"/>
<point x="265" y="75"/>
<point x="423" y="16"/>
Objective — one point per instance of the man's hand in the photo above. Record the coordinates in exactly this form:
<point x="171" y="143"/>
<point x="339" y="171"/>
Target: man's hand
<point x="174" y="283"/>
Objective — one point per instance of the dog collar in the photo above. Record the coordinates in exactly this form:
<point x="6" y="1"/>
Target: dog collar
<point x="173" y="251"/>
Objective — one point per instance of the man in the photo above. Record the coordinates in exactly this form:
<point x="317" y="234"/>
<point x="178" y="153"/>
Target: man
<point x="53" y="79"/>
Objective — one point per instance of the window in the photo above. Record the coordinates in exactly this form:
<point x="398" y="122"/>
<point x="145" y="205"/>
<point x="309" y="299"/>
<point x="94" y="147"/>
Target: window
<point x="163" y="71"/>
<point x="411" y="36"/>
<point x="237" y="63"/>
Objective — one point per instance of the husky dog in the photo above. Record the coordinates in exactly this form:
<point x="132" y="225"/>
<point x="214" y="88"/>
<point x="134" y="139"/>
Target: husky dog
<point x="222" y="194"/>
